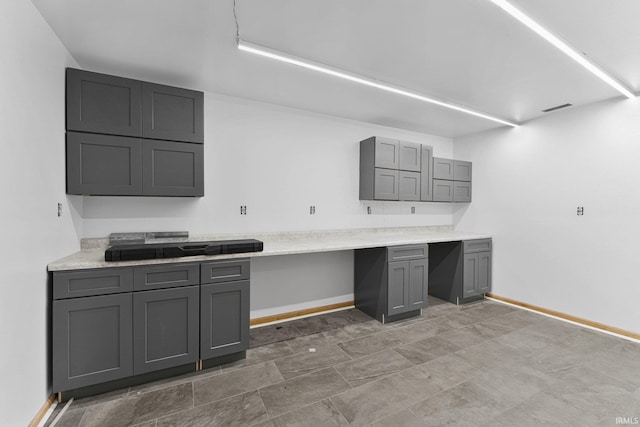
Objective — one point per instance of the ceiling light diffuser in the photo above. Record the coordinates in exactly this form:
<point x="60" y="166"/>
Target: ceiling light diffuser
<point x="577" y="56"/>
<point x="335" y="72"/>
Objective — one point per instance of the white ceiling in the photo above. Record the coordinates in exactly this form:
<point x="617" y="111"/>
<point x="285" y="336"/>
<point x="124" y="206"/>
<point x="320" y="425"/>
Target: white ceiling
<point x="469" y="52"/>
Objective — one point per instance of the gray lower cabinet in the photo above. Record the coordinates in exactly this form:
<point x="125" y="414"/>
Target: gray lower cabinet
<point x="103" y="164"/>
<point x="460" y="272"/>
<point x="224" y="318"/>
<point x="172" y="168"/>
<point x="92" y="340"/>
<point x="165" y="328"/>
<point x="391" y="283"/>
<point x="115" y="323"/>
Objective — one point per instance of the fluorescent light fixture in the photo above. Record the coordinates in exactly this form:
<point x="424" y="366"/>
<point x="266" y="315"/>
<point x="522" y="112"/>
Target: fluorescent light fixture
<point x="325" y="69"/>
<point x="564" y="47"/>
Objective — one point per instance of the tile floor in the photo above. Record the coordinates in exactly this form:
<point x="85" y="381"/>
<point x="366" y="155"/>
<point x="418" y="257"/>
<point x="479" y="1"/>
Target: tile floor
<point x="479" y="364"/>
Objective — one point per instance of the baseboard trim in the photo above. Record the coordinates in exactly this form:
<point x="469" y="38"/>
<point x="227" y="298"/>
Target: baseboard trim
<point x="43" y="410"/>
<point x="299" y="313"/>
<point x="569" y="317"/>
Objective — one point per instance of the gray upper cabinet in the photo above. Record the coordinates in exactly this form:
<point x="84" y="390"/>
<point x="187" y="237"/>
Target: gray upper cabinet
<point x="409" y="185"/>
<point x="386" y="184"/>
<point x="92" y="340"/>
<point x="461" y="191"/>
<point x="103" y="164"/>
<point x="172" y="168"/>
<point x="172" y="113"/>
<point x="386" y="152"/>
<point x="442" y="190"/>
<point x="100" y="103"/>
<point x="442" y="168"/>
<point x="108" y="116"/>
<point x="410" y="156"/>
<point x="426" y="174"/>
<point x="165" y="328"/>
<point x="461" y="170"/>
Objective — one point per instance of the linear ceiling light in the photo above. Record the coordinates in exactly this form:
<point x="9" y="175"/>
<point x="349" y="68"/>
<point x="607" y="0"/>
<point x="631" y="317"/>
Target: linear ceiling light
<point x="311" y="65"/>
<point x="565" y="48"/>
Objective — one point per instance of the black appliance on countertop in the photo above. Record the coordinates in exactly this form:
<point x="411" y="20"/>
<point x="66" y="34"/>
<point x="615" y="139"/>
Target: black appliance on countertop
<point x="181" y="249"/>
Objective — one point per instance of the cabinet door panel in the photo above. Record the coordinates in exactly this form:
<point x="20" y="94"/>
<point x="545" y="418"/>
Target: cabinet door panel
<point x="408" y="185"/>
<point x="224" y="318"/>
<point x="172" y="113"/>
<point x="165" y="325"/>
<point x="386" y="185"/>
<point x="426" y="174"/>
<point x="398" y="287"/>
<point x="418" y="283"/>
<point x="410" y="156"/>
<point x="225" y="271"/>
<point x="442" y="190"/>
<point x="442" y="168"/>
<point x="461" y="170"/>
<point x="101" y="103"/>
<point x="172" y="168"/>
<point x="82" y="283"/>
<point x="470" y="275"/>
<point x="91" y="340"/>
<point x="461" y="191"/>
<point x="484" y="272"/>
<point x="103" y="165"/>
<point x="150" y="277"/>
<point x="386" y="153"/>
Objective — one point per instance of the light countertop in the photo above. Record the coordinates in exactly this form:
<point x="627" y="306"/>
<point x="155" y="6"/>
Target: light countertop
<point x="289" y="243"/>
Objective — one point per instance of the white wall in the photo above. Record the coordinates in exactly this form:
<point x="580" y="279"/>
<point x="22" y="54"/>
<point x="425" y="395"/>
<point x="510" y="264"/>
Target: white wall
<point x="32" y="183"/>
<point x="528" y="183"/>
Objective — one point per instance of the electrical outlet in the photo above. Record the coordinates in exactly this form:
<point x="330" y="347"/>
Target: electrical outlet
<point x="59" y="209"/>
<point x="368" y="210"/>
<point x="312" y="210"/>
<point x="243" y="209"/>
<point x="413" y="209"/>
<point x="580" y="210"/>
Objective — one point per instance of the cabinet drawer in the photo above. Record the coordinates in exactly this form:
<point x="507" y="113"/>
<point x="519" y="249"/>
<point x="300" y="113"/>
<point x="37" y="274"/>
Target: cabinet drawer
<point x="478" y="245"/>
<point x="85" y="283"/>
<point x="224" y="271"/>
<point x="400" y="253"/>
<point x="165" y="276"/>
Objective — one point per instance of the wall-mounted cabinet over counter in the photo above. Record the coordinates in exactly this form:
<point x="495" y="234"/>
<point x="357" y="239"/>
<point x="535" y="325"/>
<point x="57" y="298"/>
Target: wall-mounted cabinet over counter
<point x="127" y="137"/>
<point x="451" y="180"/>
<point x="398" y="170"/>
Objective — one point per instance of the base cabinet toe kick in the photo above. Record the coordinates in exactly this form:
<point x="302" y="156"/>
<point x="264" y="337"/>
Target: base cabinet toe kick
<point x="116" y="327"/>
<point x="393" y="283"/>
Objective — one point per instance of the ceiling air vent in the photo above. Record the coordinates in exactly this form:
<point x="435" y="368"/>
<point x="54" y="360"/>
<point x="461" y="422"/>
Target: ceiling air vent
<point x="557" y="107"/>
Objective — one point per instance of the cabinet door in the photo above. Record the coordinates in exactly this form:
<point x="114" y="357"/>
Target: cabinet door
<point x="386" y="153"/>
<point x="470" y="275"/>
<point x="426" y="174"/>
<point x="172" y="168"/>
<point x="410" y="156"/>
<point x="408" y="185"/>
<point x="172" y="113"/>
<point x="386" y="185"/>
<point x="165" y="328"/>
<point x="484" y="272"/>
<point x="103" y="104"/>
<point x="91" y="341"/>
<point x="418" y="283"/>
<point x="461" y="191"/>
<point x="398" y="288"/>
<point x="461" y="170"/>
<point x="442" y="190"/>
<point x="103" y="165"/>
<point x="224" y="311"/>
<point x="442" y="168"/>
